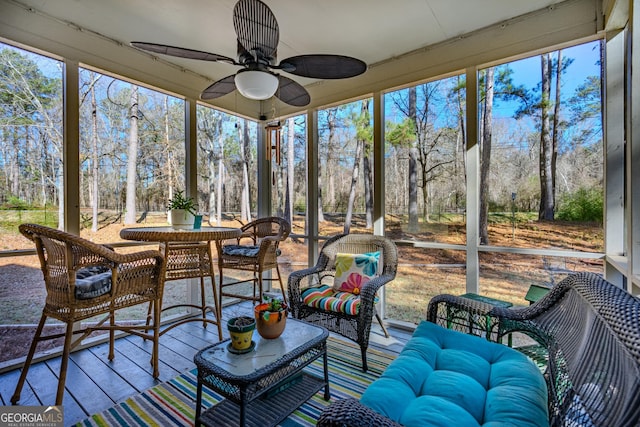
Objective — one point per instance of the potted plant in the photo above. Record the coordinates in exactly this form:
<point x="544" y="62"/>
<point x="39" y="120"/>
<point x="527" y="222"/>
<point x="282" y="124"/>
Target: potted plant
<point x="241" y="331"/>
<point x="182" y="211"/>
<point x="271" y="317"/>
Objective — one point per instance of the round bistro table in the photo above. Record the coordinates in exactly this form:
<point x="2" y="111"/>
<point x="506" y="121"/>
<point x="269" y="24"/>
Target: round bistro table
<point x="188" y="255"/>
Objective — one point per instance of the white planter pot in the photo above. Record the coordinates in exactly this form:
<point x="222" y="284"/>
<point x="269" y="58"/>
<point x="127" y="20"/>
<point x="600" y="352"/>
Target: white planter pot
<point x="181" y="219"/>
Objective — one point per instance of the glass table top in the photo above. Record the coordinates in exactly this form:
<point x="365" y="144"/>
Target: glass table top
<point x="295" y="335"/>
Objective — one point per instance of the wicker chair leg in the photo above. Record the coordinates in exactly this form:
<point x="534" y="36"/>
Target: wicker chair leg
<point x="112" y="334"/>
<point x="64" y="363"/>
<point x="363" y="351"/>
<point x="156" y="339"/>
<point x="203" y="302"/>
<point x="220" y="276"/>
<point x="149" y="311"/>
<point x="284" y="294"/>
<point x="257" y="280"/>
<point x="217" y="306"/>
<point x="27" y="363"/>
<point x="384" y="329"/>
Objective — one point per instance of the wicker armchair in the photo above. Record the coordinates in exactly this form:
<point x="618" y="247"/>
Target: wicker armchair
<point x="84" y="279"/>
<point x="264" y="236"/>
<point x="355" y="327"/>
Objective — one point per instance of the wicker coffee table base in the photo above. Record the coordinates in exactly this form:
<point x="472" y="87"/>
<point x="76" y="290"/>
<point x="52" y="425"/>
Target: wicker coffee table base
<point x="263" y="387"/>
<point x="265" y="411"/>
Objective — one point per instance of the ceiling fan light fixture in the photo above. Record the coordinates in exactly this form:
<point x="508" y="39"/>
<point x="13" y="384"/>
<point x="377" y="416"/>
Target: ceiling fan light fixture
<point x="255" y="84"/>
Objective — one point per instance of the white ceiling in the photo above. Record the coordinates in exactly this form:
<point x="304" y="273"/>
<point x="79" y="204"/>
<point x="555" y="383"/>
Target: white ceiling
<point x="374" y="31"/>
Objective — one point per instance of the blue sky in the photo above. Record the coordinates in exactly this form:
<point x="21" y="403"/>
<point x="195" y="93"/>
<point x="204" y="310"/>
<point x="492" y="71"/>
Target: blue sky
<point x="527" y="72"/>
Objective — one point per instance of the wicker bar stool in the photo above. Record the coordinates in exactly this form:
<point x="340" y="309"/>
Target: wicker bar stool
<point x="261" y="255"/>
<point x="84" y="279"/>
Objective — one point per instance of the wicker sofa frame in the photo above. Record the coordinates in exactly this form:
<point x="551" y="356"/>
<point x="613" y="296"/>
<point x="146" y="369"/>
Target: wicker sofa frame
<point x="358" y="327"/>
<point x="136" y="278"/>
<point x="589" y="333"/>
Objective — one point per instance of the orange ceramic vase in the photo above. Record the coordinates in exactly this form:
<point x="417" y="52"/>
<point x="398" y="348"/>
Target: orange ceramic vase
<point x="270" y="324"/>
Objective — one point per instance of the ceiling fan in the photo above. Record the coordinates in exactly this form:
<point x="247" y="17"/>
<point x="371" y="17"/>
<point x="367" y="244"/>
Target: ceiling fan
<point x="257" y="42"/>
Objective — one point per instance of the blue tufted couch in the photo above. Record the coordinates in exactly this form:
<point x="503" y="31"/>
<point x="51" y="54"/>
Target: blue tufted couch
<point x="586" y="335"/>
<point x="452" y="379"/>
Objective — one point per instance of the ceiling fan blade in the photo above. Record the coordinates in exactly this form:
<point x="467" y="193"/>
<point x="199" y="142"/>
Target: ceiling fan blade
<point x="256" y="27"/>
<point x="182" y="52"/>
<point x="220" y="88"/>
<point x="292" y="93"/>
<point x="323" y="66"/>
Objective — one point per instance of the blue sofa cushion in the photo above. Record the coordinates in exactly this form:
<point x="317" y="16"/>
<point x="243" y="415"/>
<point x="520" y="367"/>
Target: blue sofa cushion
<point x="445" y="378"/>
<point x="92" y="282"/>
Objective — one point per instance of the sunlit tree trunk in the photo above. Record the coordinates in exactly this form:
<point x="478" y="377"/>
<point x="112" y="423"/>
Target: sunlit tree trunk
<point x="546" y="144"/>
<point x="245" y="208"/>
<point x="354" y="184"/>
<point x="367" y="170"/>
<point x="330" y="197"/>
<point x="211" y="126"/>
<point x="290" y="169"/>
<point x="413" y="166"/>
<point x="461" y="143"/>
<point x="320" y="179"/>
<point x="130" y="215"/>
<point x="324" y="171"/>
<point x="15" y="169"/>
<point x="220" y="179"/>
<point x="212" y="182"/>
<point x="281" y="190"/>
<point x="556" y="125"/>
<point x="95" y="199"/>
<point x="485" y="163"/>
<point x="169" y="166"/>
<point x="60" y="188"/>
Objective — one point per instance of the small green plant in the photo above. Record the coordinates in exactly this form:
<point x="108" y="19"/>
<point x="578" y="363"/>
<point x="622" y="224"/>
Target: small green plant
<point x="273" y="305"/>
<point x="179" y="201"/>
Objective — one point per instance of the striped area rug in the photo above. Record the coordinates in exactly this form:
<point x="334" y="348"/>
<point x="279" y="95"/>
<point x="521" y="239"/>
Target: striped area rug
<point x="173" y="403"/>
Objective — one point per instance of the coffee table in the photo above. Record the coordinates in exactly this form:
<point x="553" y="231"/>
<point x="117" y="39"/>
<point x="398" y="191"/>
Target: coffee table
<point x="264" y="386"/>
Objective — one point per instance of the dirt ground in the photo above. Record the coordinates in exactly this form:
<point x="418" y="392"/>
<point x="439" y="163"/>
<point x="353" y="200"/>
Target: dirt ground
<point x="22" y="292"/>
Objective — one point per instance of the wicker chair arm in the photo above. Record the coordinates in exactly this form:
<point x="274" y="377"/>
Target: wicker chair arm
<point x="478" y="307"/>
<point x="293" y="287"/>
<point x="269" y="241"/>
<point x="438" y="302"/>
<point x="296" y="276"/>
<point x="246" y="235"/>
<point x="479" y="318"/>
<point x="350" y="412"/>
<point x="369" y="289"/>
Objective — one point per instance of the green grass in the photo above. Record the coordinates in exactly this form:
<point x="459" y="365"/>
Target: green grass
<point x="10" y="219"/>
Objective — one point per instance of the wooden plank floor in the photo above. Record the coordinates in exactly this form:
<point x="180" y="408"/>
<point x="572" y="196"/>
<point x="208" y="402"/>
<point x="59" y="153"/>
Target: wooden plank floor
<point x="95" y="384"/>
